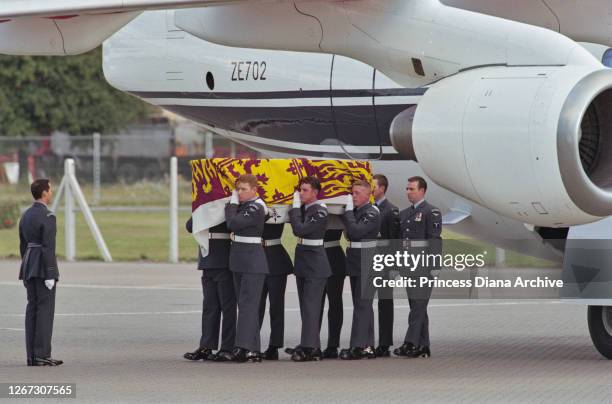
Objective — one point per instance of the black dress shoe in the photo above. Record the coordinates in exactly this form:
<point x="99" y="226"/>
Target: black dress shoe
<point x="253" y="356"/>
<point x="382" y="351"/>
<point x="368" y="352"/>
<point x="406" y="349"/>
<point x="238" y="355"/>
<point x="45" y="362"/>
<point x="198" y="354"/>
<point x="351" y="354"/>
<point x="290" y="351"/>
<point x="221" y="356"/>
<point x="306" y="355"/>
<point x="420" y="352"/>
<point x="330" y="353"/>
<point x="57" y="361"/>
<point x="317" y="355"/>
<point x="271" y="354"/>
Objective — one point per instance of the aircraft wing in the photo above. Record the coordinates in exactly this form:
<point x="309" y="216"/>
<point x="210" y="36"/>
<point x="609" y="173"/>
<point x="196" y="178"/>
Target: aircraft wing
<point x="66" y="27"/>
<point x="10" y="9"/>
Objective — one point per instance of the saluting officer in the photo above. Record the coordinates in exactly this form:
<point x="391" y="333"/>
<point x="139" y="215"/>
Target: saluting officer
<point x="39" y="272"/>
<point x="362" y="224"/>
<point x="245" y="216"/>
<point x="333" y="291"/>
<point x="419" y="223"/>
<point x="219" y="297"/>
<point x="389" y="230"/>
<point x="309" y="220"/>
<point x="280" y="265"/>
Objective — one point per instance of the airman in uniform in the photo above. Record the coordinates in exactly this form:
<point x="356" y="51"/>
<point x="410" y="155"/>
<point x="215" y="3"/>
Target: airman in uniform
<point x="308" y="219"/>
<point x="333" y="291"/>
<point x="245" y="216"/>
<point x="362" y="225"/>
<point x="389" y="230"/>
<point x="39" y="272"/>
<point x="219" y="297"/>
<point x="421" y="227"/>
<point x="280" y="265"/>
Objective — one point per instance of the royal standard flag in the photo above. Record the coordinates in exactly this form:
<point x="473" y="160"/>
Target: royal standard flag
<point x="212" y="183"/>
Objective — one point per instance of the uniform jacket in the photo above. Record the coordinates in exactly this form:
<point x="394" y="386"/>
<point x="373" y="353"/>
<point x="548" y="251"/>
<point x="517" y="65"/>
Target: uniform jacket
<point x="279" y="261"/>
<point x="311" y="223"/>
<point x="246" y="219"/>
<point x="37" y="230"/>
<point x="361" y="224"/>
<point x="219" y="249"/>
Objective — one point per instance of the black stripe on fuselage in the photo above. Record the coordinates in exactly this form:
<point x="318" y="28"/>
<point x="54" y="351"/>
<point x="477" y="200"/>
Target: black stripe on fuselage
<point x="268" y="95"/>
<point x="304" y="151"/>
<point x="307" y="125"/>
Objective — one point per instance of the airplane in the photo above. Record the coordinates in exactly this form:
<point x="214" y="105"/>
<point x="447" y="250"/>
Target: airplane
<point x="503" y="106"/>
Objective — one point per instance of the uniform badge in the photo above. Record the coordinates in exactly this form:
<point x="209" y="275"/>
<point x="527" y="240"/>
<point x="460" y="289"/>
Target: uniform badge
<point x="418" y="217"/>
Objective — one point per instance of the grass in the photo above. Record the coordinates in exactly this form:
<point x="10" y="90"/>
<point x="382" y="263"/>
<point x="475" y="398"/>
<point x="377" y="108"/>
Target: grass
<point x="143" y="193"/>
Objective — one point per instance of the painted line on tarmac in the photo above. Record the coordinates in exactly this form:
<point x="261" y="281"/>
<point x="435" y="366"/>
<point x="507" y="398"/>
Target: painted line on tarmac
<point x="12" y="329"/>
<point x="76" y="285"/>
<point x="155" y="313"/>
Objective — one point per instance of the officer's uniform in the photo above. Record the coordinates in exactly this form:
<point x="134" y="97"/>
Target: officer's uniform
<point x="249" y="266"/>
<point x="423" y="222"/>
<point x="389" y="230"/>
<point x="218" y="290"/>
<point x="361" y="226"/>
<point x="311" y="268"/>
<point x="37" y="230"/>
<point x="334" y="286"/>
<point x="279" y="265"/>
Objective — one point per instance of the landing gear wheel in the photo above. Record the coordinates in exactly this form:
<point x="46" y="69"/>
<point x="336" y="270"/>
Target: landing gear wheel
<point x="600" y="328"/>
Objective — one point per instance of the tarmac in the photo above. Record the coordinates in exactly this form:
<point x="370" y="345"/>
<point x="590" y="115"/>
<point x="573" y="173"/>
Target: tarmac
<point x="122" y="329"/>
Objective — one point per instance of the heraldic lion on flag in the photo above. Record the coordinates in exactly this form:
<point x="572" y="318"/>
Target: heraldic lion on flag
<point x="213" y="180"/>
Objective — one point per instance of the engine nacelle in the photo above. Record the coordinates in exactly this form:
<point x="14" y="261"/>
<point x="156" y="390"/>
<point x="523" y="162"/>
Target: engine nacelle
<point x="531" y="143"/>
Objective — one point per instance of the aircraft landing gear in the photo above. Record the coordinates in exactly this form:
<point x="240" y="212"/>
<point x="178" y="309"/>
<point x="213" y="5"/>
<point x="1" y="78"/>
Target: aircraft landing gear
<point x="600" y="328"/>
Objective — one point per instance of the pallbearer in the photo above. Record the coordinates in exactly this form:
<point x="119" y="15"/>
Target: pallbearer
<point x="333" y="291"/>
<point x="389" y="230"/>
<point x="362" y="223"/>
<point x="309" y="220"/>
<point x="245" y="216"/>
<point x="279" y="265"/>
<point x="219" y="297"/>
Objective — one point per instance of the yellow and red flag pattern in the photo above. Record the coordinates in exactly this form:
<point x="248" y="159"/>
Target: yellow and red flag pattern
<point x="212" y="182"/>
<point x="214" y="179"/>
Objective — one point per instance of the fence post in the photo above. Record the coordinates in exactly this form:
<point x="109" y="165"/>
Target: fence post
<point x="96" y="168"/>
<point x="174" y="247"/>
<point x="69" y="217"/>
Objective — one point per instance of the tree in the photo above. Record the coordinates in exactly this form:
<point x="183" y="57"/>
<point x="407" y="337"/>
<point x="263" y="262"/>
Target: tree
<point x="39" y="95"/>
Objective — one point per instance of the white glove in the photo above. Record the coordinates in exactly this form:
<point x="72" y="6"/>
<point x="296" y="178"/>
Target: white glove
<point x="263" y="204"/>
<point x="234" y="197"/>
<point x="296" y="199"/>
<point x="349" y="203"/>
<point x="49" y="283"/>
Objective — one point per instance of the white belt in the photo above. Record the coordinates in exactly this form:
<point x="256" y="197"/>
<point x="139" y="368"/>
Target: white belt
<point x="219" y="236"/>
<point x="383" y="243"/>
<point x="330" y="244"/>
<point x="362" y="244"/>
<point x="310" y="242"/>
<point x="416" y="243"/>
<point x="271" y="242"/>
<point x="244" y="239"/>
